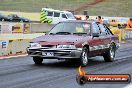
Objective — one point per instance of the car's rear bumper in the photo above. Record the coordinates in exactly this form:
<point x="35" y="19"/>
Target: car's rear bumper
<point x="57" y="54"/>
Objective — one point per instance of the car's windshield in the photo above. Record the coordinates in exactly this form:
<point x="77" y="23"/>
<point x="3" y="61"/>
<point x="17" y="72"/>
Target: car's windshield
<point x="71" y="28"/>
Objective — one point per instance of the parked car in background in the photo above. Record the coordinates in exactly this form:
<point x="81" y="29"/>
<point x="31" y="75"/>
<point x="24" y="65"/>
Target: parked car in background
<point x="77" y="40"/>
<point x="4" y="18"/>
<point x="56" y="15"/>
<point x="16" y="18"/>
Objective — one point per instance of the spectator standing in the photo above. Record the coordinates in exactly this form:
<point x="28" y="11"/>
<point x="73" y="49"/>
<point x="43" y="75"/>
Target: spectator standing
<point x="99" y="19"/>
<point x="129" y="23"/>
<point x="87" y="17"/>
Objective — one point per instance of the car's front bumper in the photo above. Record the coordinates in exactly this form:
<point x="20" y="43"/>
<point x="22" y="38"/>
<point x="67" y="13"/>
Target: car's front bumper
<point x="56" y="53"/>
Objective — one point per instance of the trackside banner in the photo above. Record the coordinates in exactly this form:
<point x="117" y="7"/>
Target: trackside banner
<point x="17" y="28"/>
<point x="128" y="34"/>
<point x="8" y="28"/>
<point x="26" y="28"/>
<point x="3" y="44"/>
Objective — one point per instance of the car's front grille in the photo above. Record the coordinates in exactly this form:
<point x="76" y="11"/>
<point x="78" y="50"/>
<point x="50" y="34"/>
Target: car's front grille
<point x="61" y="53"/>
<point x="34" y="53"/>
<point x="56" y="53"/>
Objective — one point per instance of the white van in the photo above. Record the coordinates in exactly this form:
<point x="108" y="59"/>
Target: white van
<point x="57" y="15"/>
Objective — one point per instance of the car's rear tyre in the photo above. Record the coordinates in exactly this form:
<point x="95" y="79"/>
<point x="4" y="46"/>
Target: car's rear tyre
<point x="38" y="60"/>
<point x="84" y="57"/>
<point x="110" y="54"/>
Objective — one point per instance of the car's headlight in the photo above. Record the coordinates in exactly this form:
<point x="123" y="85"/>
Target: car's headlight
<point x="34" y="45"/>
<point x="66" y="46"/>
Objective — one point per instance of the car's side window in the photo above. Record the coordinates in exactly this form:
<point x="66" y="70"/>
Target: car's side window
<point x="95" y="28"/>
<point x="108" y="30"/>
<point x="50" y="13"/>
<point x="103" y="30"/>
<point x="56" y="14"/>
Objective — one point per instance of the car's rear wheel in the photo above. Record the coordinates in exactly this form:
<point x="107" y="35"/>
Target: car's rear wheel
<point x="84" y="57"/>
<point x="110" y="54"/>
<point x="38" y="60"/>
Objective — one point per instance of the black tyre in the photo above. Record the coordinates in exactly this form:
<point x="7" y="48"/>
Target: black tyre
<point x="38" y="60"/>
<point x="84" y="57"/>
<point x="110" y="54"/>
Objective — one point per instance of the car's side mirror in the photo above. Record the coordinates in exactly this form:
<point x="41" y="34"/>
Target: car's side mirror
<point x="95" y="34"/>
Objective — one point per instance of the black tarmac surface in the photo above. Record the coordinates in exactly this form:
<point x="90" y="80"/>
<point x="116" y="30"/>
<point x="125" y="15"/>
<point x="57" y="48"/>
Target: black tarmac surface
<point x="21" y="72"/>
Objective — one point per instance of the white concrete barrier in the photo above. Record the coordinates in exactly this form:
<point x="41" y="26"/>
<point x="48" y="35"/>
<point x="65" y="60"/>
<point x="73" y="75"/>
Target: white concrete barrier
<point x="40" y="27"/>
<point x="13" y="44"/>
<point x="13" y="47"/>
<point x="3" y="47"/>
<point x="11" y="27"/>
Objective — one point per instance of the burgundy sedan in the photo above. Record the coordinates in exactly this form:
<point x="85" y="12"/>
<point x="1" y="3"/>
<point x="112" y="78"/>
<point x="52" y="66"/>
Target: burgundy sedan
<point x="75" y="40"/>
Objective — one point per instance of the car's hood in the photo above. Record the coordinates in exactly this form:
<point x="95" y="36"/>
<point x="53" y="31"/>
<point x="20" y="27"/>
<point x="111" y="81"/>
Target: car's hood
<point x="58" y="39"/>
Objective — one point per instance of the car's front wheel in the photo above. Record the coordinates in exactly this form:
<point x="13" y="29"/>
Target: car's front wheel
<point x="110" y="54"/>
<point x="38" y="60"/>
<point x="84" y="57"/>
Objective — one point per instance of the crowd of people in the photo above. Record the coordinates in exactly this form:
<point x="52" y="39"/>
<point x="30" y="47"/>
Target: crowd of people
<point x="99" y="19"/>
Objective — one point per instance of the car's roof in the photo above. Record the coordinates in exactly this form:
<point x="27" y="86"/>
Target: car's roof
<point x="53" y="10"/>
<point x="12" y="15"/>
<point x="88" y="21"/>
